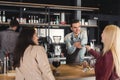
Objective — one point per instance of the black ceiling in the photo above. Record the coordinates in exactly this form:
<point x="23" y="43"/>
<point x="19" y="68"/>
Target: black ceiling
<point x="106" y="6"/>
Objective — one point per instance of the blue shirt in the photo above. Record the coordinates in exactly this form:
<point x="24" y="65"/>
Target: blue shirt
<point x="82" y="38"/>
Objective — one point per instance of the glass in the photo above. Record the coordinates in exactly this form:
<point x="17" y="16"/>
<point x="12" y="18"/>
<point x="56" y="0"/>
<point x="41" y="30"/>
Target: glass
<point x="85" y="65"/>
<point x="57" y="39"/>
<point x="88" y="63"/>
<point x="92" y="62"/>
<point x="95" y="46"/>
<point x="56" y="63"/>
<point x="92" y="43"/>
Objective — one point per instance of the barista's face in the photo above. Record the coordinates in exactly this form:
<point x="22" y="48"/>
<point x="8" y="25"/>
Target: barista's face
<point x="35" y="38"/>
<point x="76" y="28"/>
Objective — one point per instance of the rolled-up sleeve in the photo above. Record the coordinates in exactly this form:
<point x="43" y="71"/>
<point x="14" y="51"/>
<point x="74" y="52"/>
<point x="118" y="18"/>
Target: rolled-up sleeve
<point x="84" y="38"/>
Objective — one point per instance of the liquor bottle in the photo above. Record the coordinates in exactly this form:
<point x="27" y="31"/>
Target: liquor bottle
<point x="57" y="20"/>
<point x="5" y="65"/>
<point x="29" y="19"/>
<point x="32" y="20"/>
<point x="8" y="62"/>
<point x="0" y="17"/>
<point x="0" y="66"/>
<point x="3" y="17"/>
<point x="63" y="18"/>
<point x="37" y="19"/>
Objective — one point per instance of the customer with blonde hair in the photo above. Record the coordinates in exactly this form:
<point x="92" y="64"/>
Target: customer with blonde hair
<point x="107" y="65"/>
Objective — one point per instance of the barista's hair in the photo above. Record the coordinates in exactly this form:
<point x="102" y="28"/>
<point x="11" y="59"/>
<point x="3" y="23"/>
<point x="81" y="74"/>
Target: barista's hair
<point x="74" y="21"/>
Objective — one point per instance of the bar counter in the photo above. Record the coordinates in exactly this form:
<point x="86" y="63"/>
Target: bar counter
<point x="66" y="72"/>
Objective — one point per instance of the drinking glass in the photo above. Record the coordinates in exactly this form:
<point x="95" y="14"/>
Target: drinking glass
<point x="57" y="39"/>
<point x="92" y="62"/>
<point x="56" y="64"/>
<point x="85" y="66"/>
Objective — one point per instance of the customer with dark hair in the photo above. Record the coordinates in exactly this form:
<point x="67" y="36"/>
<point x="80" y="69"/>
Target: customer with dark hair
<point x="14" y="23"/>
<point x="8" y="39"/>
<point x="30" y="59"/>
<point x="75" y="43"/>
<point x="107" y="65"/>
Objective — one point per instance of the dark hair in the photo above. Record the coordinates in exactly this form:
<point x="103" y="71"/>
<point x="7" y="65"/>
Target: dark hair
<point x="74" y="21"/>
<point x="24" y="40"/>
<point x="14" y="23"/>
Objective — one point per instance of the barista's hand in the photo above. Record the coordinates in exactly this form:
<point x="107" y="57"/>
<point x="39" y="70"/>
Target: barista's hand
<point x="88" y="47"/>
<point x="77" y="45"/>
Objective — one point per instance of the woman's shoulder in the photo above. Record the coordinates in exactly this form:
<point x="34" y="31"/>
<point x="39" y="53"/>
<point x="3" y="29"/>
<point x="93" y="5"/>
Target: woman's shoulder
<point x="38" y="47"/>
<point x="35" y="47"/>
<point x="109" y="53"/>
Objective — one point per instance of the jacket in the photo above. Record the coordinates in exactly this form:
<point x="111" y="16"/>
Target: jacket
<point x="34" y="65"/>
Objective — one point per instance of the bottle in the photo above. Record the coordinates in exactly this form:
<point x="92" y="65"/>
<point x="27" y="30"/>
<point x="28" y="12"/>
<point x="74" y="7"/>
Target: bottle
<point x="62" y="18"/>
<point x="5" y="65"/>
<point x="32" y="20"/>
<point x="57" y="20"/>
<point x="0" y="66"/>
<point x="0" y="17"/>
<point x="29" y="19"/>
<point x="37" y="19"/>
<point x="8" y="62"/>
<point x="3" y="17"/>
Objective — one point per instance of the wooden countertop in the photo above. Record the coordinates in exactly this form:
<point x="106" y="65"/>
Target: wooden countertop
<point x="72" y="72"/>
<point x="7" y="77"/>
<point x="66" y="72"/>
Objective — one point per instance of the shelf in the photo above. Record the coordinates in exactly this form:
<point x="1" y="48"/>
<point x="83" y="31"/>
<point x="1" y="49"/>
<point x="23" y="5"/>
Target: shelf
<point x="47" y="13"/>
<point x="35" y="24"/>
<point x="45" y="24"/>
<point x="89" y="26"/>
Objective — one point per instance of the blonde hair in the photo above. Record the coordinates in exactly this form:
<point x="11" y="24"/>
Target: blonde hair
<point x="112" y="37"/>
